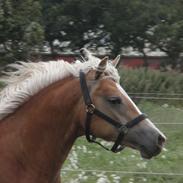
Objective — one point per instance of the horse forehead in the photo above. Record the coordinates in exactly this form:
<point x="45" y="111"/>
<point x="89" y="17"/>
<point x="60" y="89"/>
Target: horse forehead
<point x="128" y="100"/>
<point x="121" y="90"/>
<point x="108" y="86"/>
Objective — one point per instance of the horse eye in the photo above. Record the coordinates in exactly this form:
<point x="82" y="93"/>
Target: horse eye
<point x="115" y="100"/>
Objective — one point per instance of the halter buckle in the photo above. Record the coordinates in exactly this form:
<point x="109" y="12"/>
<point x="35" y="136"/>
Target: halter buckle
<point x="123" y="129"/>
<point x="90" y="108"/>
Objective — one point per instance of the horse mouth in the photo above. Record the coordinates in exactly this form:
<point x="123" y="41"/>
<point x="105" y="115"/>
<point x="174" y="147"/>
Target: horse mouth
<point x="146" y="154"/>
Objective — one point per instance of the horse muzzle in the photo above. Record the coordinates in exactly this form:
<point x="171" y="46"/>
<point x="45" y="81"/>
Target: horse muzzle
<point x="149" y="152"/>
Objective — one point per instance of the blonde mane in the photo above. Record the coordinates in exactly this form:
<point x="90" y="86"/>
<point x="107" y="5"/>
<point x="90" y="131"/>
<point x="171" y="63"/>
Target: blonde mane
<point x="29" y="78"/>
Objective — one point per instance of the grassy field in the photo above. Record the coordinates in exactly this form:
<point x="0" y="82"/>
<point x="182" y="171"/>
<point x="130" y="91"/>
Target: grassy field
<point x="100" y="166"/>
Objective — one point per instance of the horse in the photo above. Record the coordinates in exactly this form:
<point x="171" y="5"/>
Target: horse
<point x="46" y="106"/>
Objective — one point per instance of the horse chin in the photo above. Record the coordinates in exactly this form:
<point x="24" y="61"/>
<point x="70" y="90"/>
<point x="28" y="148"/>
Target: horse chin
<point x="145" y="155"/>
<point x="143" y="151"/>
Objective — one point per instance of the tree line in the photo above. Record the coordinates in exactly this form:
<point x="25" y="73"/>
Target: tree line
<point x="27" y="27"/>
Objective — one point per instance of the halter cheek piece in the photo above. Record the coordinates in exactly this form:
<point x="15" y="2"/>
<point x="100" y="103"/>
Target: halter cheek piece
<point x="92" y="110"/>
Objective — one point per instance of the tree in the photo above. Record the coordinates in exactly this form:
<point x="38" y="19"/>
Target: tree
<point x="20" y="21"/>
<point x="167" y="35"/>
<point x="129" y="22"/>
<point x="117" y="24"/>
<point x="76" y="22"/>
<point x="54" y="21"/>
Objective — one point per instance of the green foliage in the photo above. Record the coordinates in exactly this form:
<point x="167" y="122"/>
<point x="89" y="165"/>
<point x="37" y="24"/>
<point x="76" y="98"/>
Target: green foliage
<point x="20" y="28"/>
<point x="116" y="24"/>
<point x="128" y="22"/>
<point x="167" y="35"/>
<point x="71" y="20"/>
<point x="25" y="25"/>
<point x="143" y="80"/>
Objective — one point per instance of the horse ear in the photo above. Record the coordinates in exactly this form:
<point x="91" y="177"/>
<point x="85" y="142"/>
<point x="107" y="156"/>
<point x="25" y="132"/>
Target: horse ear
<point x="101" y="67"/>
<point x="85" y="53"/>
<point x="116" y="61"/>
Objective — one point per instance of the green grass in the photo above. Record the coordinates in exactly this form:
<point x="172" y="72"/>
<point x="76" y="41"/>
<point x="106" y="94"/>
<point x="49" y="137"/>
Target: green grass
<point x="92" y="157"/>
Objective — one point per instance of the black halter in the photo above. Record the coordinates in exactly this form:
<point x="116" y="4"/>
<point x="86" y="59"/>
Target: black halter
<point x="92" y="110"/>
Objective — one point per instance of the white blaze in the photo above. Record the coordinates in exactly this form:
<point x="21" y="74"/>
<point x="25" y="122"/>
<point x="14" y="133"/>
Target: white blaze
<point x="148" y="122"/>
<point x="127" y="97"/>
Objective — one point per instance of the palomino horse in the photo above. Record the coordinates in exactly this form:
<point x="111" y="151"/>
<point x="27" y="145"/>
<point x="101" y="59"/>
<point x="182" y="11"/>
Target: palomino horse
<point x="45" y="107"/>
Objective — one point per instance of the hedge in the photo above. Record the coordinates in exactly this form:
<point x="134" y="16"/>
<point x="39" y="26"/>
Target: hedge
<point x="143" y="80"/>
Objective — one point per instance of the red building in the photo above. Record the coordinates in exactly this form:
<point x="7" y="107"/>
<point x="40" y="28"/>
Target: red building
<point x="129" y="61"/>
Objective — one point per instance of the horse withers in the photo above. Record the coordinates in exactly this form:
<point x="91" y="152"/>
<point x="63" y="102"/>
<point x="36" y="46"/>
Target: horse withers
<point x="46" y="106"/>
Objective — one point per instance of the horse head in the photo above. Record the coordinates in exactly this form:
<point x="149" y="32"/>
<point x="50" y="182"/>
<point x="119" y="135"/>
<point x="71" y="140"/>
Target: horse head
<point x="113" y="116"/>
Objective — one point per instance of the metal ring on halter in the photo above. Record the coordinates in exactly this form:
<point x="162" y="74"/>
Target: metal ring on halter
<point x="90" y="108"/>
<point x="124" y="129"/>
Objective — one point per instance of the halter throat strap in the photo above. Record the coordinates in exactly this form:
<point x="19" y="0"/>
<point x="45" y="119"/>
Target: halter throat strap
<point x="92" y="110"/>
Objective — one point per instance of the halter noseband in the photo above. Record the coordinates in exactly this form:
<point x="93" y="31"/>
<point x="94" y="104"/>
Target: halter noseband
<point x="92" y="110"/>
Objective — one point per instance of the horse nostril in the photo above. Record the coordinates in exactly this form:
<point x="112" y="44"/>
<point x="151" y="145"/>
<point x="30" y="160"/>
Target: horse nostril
<point x="161" y="140"/>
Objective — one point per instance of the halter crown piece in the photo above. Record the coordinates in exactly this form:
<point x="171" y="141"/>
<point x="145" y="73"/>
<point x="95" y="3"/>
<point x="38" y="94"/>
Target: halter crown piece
<point x="92" y="110"/>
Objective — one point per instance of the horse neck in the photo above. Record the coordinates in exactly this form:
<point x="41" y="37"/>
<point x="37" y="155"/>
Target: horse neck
<point x="49" y="125"/>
